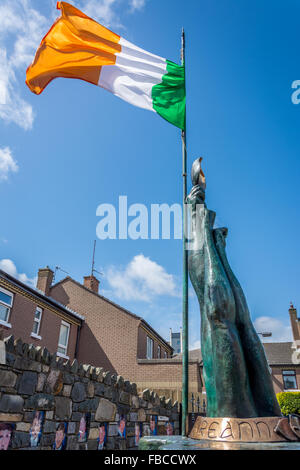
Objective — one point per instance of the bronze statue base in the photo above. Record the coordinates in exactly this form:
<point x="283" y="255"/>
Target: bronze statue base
<point x="269" y="429"/>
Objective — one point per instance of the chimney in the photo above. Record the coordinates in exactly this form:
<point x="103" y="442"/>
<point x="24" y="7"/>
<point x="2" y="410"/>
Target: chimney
<point x="295" y="322"/>
<point x="91" y="283"/>
<point x="44" y="281"/>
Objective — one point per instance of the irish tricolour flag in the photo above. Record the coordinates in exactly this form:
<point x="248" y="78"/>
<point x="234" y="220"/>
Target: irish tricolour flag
<point x="76" y="46"/>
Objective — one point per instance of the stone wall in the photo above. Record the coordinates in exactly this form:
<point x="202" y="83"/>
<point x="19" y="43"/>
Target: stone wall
<point x="32" y="379"/>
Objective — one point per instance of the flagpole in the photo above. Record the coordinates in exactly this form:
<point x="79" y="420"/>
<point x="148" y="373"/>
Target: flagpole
<point x="185" y="340"/>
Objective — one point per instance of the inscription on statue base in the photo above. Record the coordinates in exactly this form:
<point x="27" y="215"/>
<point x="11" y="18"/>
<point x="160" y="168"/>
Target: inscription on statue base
<point x="236" y="429"/>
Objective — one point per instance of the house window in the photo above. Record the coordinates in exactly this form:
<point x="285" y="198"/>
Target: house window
<point x="165" y="354"/>
<point x="149" y="348"/>
<point x="289" y="379"/>
<point x="6" y="301"/>
<point x="158" y="352"/>
<point x="63" y="338"/>
<point x="37" y="321"/>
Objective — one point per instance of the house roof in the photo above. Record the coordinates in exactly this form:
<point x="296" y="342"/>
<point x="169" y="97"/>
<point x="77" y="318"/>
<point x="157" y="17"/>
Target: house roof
<point x="39" y="294"/>
<point x="149" y="327"/>
<point x="277" y="354"/>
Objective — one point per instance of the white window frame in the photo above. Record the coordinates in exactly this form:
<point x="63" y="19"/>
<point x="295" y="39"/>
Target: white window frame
<point x="158" y="352"/>
<point x="62" y="346"/>
<point x="7" y="292"/>
<point x="149" y="348"/>
<point x="37" y="335"/>
<point x="165" y="355"/>
<point x="291" y="373"/>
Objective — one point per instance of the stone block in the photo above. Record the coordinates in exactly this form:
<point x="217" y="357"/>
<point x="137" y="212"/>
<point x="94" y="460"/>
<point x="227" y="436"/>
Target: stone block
<point x="49" y="427"/>
<point x="23" y="363"/>
<point x="40" y="401"/>
<point x="67" y="390"/>
<point x="107" y="378"/>
<point x="90" y="390"/>
<point x="124" y="398"/>
<point x="94" y="433"/>
<point x="54" y="382"/>
<point x="11" y="403"/>
<point x="127" y="386"/>
<point x="108" y="393"/>
<point x="7" y="378"/>
<point x="47" y="440"/>
<point x="74" y="367"/>
<point x="120" y="382"/>
<point x="92" y="445"/>
<point x="78" y="392"/>
<point x="9" y="344"/>
<point x="20" y="439"/>
<point x="71" y="427"/>
<point x="135" y="401"/>
<point x="143" y="403"/>
<point x="100" y="389"/>
<point x="146" y="394"/>
<point x="28" y="416"/>
<point x="63" y="408"/>
<point x="100" y="374"/>
<point x="41" y="382"/>
<point x="25" y="427"/>
<point x="68" y="379"/>
<point x="28" y="383"/>
<point x="111" y="443"/>
<point x="141" y="415"/>
<point x="10" y="417"/>
<point x="18" y="346"/>
<point x="113" y="429"/>
<point x="133" y="416"/>
<point x="106" y="411"/>
<point x="49" y="414"/>
<point x="72" y="443"/>
<point x="76" y="416"/>
<point x="89" y="405"/>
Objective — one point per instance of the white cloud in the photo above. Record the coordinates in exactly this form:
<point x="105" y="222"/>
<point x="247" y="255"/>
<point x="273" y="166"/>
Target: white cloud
<point x="281" y="331"/>
<point x="137" y="4"/>
<point x="194" y="345"/>
<point x="7" y="163"/>
<point x="142" y="279"/>
<point x="21" y="30"/>
<point x="9" y="267"/>
<point x="104" y="11"/>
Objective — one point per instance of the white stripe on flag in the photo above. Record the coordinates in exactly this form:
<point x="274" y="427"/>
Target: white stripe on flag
<point x="133" y="76"/>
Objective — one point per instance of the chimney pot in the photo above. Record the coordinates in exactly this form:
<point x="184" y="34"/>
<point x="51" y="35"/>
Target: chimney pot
<point x="295" y="322"/>
<point x="91" y="283"/>
<point x="44" y="281"/>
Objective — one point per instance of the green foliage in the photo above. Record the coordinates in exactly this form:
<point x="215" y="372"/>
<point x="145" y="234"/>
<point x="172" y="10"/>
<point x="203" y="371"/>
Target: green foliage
<point x="289" y="402"/>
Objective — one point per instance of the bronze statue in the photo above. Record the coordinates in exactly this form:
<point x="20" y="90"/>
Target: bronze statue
<point x="236" y="373"/>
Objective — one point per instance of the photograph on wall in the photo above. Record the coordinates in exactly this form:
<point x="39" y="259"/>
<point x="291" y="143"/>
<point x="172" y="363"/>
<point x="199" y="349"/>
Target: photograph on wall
<point x="36" y="428"/>
<point x="153" y="425"/>
<point x="102" y="436"/>
<point x="61" y="436"/>
<point x="138" y="433"/>
<point x="169" y="428"/>
<point x="84" y="427"/>
<point x="6" y="430"/>
<point x="122" y="426"/>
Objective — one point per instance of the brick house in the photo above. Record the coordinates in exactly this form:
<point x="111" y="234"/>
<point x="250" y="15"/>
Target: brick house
<point x="283" y="362"/>
<point x="31" y="314"/>
<point x="116" y="339"/>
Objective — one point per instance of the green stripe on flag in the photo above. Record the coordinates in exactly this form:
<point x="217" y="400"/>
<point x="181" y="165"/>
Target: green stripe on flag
<point x="169" y="96"/>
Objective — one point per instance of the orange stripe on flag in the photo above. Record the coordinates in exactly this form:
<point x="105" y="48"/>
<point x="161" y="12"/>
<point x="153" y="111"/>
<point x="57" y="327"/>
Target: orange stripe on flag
<point x="76" y="46"/>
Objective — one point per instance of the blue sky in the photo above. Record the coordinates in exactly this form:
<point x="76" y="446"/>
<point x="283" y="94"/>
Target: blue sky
<point x="76" y="146"/>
